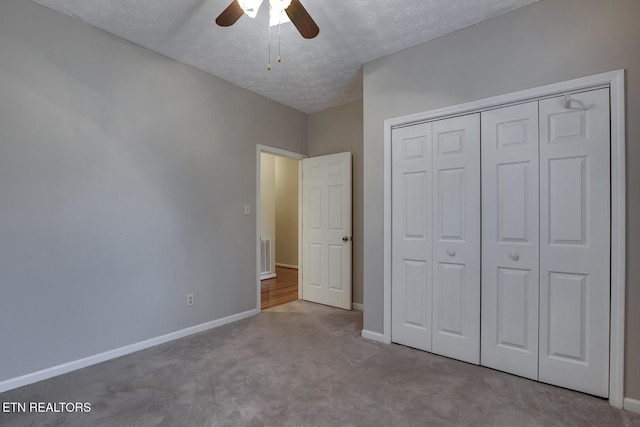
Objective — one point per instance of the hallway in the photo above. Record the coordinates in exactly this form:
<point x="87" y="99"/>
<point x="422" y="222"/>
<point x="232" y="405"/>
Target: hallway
<point x="279" y="290"/>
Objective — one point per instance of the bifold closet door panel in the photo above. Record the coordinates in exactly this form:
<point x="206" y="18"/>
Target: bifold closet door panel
<point x="575" y="241"/>
<point x="435" y="300"/>
<point x="456" y="238"/>
<point x="411" y="236"/>
<point x="510" y="239"/>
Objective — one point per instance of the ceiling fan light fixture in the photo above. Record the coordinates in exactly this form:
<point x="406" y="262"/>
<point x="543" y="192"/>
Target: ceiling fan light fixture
<point x="279" y="4"/>
<point x="293" y="9"/>
<point x="277" y="14"/>
<point x="250" y="7"/>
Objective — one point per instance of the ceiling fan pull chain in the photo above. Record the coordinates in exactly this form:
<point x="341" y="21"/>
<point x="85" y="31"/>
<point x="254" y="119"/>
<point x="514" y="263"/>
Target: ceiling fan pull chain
<point x="269" y="42"/>
<point x="279" y="23"/>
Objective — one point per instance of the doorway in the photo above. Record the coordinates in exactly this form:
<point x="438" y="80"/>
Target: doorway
<point x="278" y="226"/>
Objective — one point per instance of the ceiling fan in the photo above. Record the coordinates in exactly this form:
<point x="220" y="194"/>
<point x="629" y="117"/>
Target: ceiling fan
<point x="293" y="8"/>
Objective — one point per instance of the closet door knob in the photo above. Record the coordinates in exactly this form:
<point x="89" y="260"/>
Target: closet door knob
<point x="451" y="252"/>
<point x="514" y="256"/>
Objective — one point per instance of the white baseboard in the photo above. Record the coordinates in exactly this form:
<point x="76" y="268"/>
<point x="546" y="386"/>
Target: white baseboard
<point x="357" y="306"/>
<point x="267" y="276"/>
<point x="64" y="368"/>
<point x="293" y="267"/>
<point x="374" y="336"/>
<point x="631" y="405"/>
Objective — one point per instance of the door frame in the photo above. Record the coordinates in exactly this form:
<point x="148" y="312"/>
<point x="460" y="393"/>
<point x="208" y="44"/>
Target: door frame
<point x="290" y="155"/>
<point x="615" y="81"/>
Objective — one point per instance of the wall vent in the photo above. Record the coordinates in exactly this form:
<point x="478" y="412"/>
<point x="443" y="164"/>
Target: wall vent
<point x="265" y="257"/>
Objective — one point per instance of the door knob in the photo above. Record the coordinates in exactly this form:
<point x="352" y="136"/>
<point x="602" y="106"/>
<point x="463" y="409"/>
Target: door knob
<point x="514" y="256"/>
<point x="451" y="252"/>
<point x="345" y="239"/>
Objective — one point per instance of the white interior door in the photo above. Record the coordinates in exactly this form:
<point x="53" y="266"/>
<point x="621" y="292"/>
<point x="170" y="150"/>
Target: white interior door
<point x="411" y="241"/>
<point x="510" y="239"/>
<point x="575" y="241"/>
<point x="456" y="238"/>
<point x="326" y="230"/>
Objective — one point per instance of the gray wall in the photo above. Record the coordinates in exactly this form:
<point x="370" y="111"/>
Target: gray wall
<point x="123" y="176"/>
<point x="547" y="42"/>
<point x="333" y="131"/>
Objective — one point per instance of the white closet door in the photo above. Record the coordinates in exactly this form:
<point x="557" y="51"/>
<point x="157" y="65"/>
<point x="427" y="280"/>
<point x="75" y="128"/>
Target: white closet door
<point x="411" y="242"/>
<point x="575" y="242"/>
<point x="510" y="239"/>
<point x="456" y="238"/>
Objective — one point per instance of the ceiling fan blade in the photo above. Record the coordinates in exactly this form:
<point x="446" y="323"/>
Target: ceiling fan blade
<point x="230" y="15"/>
<point x="302" y="20"/>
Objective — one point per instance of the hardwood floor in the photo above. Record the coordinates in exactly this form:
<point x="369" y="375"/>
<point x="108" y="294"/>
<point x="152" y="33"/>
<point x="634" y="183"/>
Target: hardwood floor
<point x="279" y="290"/>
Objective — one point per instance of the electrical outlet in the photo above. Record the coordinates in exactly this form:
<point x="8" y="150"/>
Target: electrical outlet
<point x="247" y="209"/>
<point x="189" y="300"/>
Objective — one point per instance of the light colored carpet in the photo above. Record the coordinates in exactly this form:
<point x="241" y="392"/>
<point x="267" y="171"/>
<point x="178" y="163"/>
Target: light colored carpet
<point x="303" y="364"/>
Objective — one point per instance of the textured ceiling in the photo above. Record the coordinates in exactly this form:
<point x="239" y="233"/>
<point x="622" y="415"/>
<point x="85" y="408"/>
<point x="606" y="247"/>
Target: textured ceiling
<point x="314" y="74"/>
